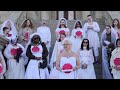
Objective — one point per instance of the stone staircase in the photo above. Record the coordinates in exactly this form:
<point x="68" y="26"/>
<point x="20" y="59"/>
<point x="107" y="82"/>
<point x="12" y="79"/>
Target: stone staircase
<point x="106" y="19"/>
<point x="53" y="23"/>
<point x="114" y="14"/>
<point x="102" y="21"/>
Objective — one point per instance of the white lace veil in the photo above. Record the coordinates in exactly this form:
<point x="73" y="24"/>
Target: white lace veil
<point x="60" y="20"/>
<point x="12" y="27"/>
<point x="112" y="31"/>
<point x="31" y="36"/>
<point x="76" y="22"/>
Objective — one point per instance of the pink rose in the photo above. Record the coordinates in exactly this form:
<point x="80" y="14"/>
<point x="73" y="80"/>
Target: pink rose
<point x="35" y="49"/>
<point x="62" y="32"/>
<point x="117" y="61"/>
<point x="66" y="67"/>
<point x="78" y="33"/>
<point x="13" y="51"/>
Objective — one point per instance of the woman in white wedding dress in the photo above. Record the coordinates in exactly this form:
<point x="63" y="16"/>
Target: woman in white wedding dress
<point x="15" y="52"/>
<point x="116" y="27"/>
<point x="37" y="55"/>
<point x="62" y="28"/>
<point x="58" y="48"/>
<point x="92" y="28"/>
<point x="77" y="35"/>
<point x="86" y="59"/>
<point x="26" y="30"/>
<point x="108" y="39"/>
<point x="68" y="62"/>
<point x="115" y="61"/>
<point x="10" y="25"/>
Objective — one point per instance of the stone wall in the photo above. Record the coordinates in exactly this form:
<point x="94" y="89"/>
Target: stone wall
<point x="19" y="16"/>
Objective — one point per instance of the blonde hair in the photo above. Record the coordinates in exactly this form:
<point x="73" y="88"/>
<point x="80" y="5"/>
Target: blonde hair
<point x="67" y="39"/>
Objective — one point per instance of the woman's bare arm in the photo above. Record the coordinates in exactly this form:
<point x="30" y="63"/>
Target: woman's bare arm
<point x="58" y="62"/>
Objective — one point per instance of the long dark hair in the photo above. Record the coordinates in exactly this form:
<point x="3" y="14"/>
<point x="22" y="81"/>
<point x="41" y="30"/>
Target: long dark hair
<point x="25" y="24"/>
<point x="64" y="25"/>
<point x="79" y="24"/>
<point x="118" y="25"/>
<point x="60" y="36"/>
<point x="117" y="41"/>
<point x="87" y="45"/>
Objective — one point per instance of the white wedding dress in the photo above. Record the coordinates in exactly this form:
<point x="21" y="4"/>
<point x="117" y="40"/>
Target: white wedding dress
<point x="32" y="71"/>
<point x="86" y="56"/>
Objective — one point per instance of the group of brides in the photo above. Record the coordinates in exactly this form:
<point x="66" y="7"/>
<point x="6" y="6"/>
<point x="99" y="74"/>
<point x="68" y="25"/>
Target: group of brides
<point x="27" y="54"/>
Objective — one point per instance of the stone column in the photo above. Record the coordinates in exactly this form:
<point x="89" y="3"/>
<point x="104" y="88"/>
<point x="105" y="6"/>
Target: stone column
<point x="78" y="15"/>
<point x="70" y="15"/>
<point x="60" y="14"/>
<point x="84" y="14"/>
<point x="53" y="15"/>
<point x="45" y="15"/>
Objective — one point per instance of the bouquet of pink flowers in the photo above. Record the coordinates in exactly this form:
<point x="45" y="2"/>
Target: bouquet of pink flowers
<point x="13" y="51"/>
<point x="78" y="33"/>
<point x="26" y="35"/>
<point x="67" y="68"/>
<point x="9" y="35"/>
<point x="19" y="51"/>
<point x="16" y="53"/>
<point x="35" y="49"/>
<point x="117" y="61"/>
<point x="62" y="32"/>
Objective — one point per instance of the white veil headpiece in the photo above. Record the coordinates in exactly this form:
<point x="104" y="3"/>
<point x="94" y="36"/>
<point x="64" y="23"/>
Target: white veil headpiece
<point x="60" y="20"/>
<point x="31" y="36"/>
<point x="112" y="31"/>
<point x="76" y="22"/>
<point x="12" y="27"/>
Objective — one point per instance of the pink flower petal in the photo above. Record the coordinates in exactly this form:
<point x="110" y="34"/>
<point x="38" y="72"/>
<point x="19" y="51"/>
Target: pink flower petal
<point x="35" y="49"/>
<point x="78" y="33"/>
<point x="13" y="51"/>
<point x="62" y="32"/>
<point x="117" y="61"/>
<point x="66" y="67"/>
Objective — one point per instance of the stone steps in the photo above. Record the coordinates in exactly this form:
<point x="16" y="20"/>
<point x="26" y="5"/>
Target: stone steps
<point x="53" y="24"/>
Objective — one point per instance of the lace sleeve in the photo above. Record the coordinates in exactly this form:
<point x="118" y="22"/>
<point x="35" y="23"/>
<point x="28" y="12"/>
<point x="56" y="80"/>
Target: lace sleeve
<point x="91" y="57"/>
<point x="96" y="27"/>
